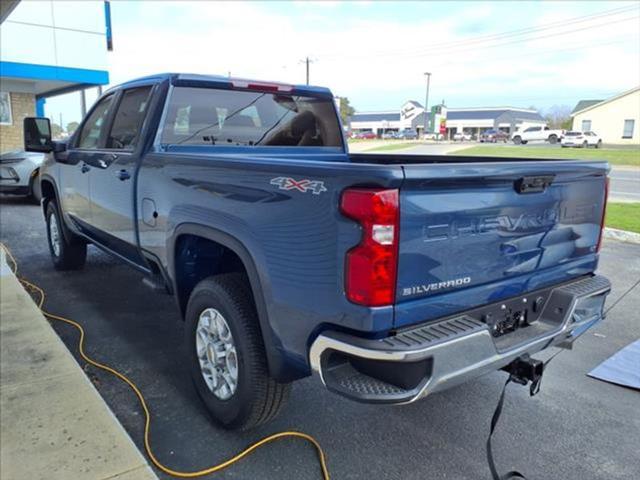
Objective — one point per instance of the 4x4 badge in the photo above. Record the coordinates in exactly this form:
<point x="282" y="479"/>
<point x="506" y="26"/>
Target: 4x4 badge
<point x="305" y="185"/>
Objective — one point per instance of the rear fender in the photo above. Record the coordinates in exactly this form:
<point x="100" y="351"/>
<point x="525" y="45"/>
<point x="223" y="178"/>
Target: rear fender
<point x="278" y="367"/>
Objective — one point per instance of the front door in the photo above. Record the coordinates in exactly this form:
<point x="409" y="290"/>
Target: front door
<point x="76" y="164"/>
<point x="111" y="181"/>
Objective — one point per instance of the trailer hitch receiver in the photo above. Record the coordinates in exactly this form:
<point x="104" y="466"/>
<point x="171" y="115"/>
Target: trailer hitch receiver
<point x="525" y="369"/>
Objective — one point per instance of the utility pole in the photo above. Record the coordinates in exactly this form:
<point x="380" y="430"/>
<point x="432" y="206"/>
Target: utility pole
<point x="426" y="104"/>
<point x="307" y="61"/>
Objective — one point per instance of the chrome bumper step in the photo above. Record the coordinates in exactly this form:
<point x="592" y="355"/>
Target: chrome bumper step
<point x="431" y="357"/>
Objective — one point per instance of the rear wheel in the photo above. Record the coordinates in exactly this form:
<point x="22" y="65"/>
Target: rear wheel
<point x="517" y="140"/>
<point x="585" y="144"/>
<point x="553" y="139"/>
<point x="524" y="142"/>
<point x="66" y="253"/>
<point x="226" y="354"/>
<point x="599" y="144"/>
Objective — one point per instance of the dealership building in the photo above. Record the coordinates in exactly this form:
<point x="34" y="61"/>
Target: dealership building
<point x="48" y="49"/>
<point x="616" y="120"/>
<point x="454" y="120"/>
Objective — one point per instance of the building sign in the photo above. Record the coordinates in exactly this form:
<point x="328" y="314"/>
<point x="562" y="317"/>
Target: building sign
<point x="5" y="109"/>
<point x="438" y="119"/>
<point x="443" y="126"/>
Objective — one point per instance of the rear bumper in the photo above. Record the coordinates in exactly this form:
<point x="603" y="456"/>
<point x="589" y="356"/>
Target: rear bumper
<point x="422" y="360"/>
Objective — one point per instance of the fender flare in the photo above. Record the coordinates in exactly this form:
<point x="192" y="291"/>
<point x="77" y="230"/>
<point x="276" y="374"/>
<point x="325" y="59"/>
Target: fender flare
<point x="66" y="231"/>
<point x="275" y="359"/>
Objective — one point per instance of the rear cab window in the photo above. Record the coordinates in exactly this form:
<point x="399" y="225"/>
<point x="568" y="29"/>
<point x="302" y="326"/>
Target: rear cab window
<point x="218" y="117"/>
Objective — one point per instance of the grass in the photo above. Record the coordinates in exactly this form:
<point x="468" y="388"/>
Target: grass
<point x="392" y="146"/>
<point x="624" y="216"/>
<point x="629" y="156"/>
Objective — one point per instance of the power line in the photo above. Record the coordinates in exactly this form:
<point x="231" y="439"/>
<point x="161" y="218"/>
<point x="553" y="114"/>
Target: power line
<point x="555" y="51"/>
<point x="456" y="45"/>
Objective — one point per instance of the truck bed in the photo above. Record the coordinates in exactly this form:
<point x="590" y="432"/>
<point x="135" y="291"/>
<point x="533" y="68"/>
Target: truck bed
<point x="409" y="159"/>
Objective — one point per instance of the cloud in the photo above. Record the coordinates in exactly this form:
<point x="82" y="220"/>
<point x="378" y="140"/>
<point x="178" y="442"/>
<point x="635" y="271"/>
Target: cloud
<point x="379" y="60"/>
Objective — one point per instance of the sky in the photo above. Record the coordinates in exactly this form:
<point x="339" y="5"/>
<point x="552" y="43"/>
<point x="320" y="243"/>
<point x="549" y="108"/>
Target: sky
<point x="375" y="53"/>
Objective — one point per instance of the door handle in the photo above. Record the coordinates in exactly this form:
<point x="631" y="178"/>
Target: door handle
<point x="123" y="175"/>
<point x="85" y="168"/>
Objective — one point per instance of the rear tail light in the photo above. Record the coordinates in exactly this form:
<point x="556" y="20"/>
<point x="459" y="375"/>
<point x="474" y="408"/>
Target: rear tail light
<point x="371" y="266"/>
<point x="604" y="212"/>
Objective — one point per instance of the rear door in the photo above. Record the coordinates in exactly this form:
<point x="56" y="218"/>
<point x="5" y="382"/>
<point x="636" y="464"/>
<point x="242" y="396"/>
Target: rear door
<point x="111" y="180"/>
<point x="474" y="233"/>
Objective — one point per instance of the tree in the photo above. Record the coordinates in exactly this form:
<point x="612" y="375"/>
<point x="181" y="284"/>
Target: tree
<point x="346" y="110"/>
<point x="559" y="116"/>
<point x="56" y="130"/>
<point x="71" y="127"/>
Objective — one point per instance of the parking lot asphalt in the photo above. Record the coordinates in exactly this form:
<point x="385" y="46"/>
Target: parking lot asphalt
<point x="575" y="428"/>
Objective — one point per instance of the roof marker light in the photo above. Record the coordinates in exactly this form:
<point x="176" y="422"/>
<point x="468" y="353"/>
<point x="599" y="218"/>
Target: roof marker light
<point x="261" y="86"/>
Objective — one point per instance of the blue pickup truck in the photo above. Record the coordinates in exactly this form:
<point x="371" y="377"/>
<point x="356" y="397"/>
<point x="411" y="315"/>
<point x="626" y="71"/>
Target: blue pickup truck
<point x="390" y="276"/>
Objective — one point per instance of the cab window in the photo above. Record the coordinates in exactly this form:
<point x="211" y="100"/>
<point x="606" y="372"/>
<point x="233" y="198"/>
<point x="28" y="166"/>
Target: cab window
<point x="206" y="116"/>
<point x="127" y="123"/>
<point x="90" y="135"/>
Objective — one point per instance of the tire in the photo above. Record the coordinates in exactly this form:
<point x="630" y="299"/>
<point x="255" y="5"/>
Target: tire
<point x="517" y="140"/>
<point x="257" y="398"/>
<point x="66" y="253"/>
<point x="599" y="144"/>
<point x="553" y="139"/>
<point x="524" y="142"/>
<point x="35" y="190"/>
<point x="585" y="144"/>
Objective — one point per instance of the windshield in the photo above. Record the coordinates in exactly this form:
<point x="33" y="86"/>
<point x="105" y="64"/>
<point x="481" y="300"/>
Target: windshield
<point x="206" y="116"/>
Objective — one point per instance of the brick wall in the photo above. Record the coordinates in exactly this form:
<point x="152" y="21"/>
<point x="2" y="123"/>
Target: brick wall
<point x="22" y="105"/>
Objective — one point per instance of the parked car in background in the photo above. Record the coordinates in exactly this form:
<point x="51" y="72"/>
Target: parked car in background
<point x="462" y="137"/>
<point x="408" y="134"/>
<point x="494" y="136"/>
<point x="390" y="135"/>
<point x="366" y="135"/>
<point x="538" y="134"/>
<point x="19" y="172"/>
<point x="434" y="136"/>
<point x="581" y="139"/>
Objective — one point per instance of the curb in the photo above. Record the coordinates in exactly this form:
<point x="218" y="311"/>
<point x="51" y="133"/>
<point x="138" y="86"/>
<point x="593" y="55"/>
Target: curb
<point x="55" y="424"/>
<point x="622" y="235"/>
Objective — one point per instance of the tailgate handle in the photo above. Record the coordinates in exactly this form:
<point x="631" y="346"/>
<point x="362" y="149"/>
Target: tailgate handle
<point x="533" y="184"/>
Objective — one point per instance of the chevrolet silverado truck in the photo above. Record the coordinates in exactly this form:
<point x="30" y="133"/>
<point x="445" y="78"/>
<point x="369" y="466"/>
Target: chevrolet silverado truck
<point x="538" y="134"/>
<point x="390" y="276"/>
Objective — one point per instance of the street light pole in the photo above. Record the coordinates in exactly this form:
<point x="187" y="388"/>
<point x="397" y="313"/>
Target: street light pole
<point x="426" y="103"/>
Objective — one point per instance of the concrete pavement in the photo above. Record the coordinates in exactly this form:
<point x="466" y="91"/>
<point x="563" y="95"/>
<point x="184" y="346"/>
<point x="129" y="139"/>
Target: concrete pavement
<point x="54" y="424"/>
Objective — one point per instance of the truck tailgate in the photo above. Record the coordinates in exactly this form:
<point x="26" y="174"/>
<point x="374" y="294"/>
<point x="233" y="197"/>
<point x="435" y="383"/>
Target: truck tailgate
<point x="475" y="233"/>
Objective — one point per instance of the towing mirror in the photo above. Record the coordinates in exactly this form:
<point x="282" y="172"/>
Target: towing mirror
<point x="37" y="135"/>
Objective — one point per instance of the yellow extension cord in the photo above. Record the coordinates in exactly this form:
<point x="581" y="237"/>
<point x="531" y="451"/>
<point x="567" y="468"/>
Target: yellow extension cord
<point x="143" y="402"/>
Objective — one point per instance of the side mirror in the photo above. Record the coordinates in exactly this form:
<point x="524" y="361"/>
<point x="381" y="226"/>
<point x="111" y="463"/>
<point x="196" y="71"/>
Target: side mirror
<point x="37" y="135"/>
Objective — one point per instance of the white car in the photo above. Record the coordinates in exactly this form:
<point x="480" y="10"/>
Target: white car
<point x="462" y="137"/>
<point x="581" y="139"/>
<point x="19" y="172"/>
<point x="538" y="133"/>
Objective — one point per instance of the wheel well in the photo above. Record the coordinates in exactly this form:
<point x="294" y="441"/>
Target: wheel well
<point x="197" y="258"/>
<point x="48" y="193"/>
